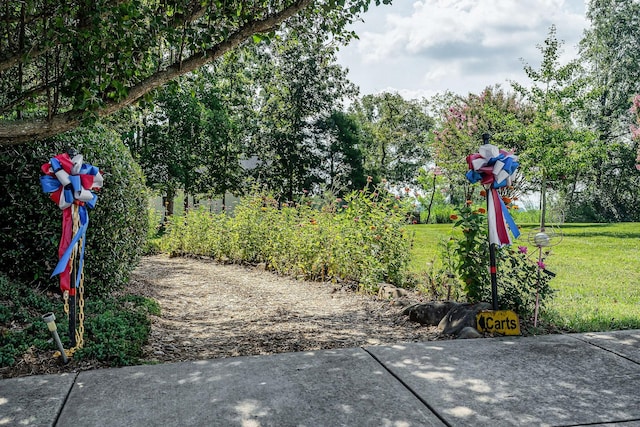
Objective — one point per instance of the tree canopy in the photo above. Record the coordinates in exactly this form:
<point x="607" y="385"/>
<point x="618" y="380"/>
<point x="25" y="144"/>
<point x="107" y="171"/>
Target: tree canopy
<point x="63" y="63"/>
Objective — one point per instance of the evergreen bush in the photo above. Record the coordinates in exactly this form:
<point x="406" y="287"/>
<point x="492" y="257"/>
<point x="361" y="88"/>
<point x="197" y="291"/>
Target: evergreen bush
<point x="30" y="222"/>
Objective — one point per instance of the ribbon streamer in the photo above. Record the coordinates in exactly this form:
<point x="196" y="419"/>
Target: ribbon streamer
<point x="494" y="169"/>
<point x="70" y="182"/>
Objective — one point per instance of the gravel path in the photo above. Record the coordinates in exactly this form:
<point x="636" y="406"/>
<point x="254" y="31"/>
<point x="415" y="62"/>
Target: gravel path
<point x="211" y="310"/>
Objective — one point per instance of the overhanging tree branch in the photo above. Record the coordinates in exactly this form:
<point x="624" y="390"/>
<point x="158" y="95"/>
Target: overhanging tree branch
<point x="20" y="131"/>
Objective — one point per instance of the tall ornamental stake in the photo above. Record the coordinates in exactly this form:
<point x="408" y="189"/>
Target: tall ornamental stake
<point x="494" y="169"/>
<point x="71" y="185"/>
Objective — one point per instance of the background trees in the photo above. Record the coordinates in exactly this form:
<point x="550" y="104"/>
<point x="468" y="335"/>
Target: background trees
<point x="462" y="122"/>
<point x="299" y="85"/>
<point x="554" y="149"/>
<point x="395" y="136"/>
<point x="610" y="53"/>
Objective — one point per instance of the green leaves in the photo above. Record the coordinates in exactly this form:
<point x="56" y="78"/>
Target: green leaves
<point x="31" y="230"/>
<point x="359" y="238"/>
<point x="54" y="56"/>
<point x="518" y="275"/>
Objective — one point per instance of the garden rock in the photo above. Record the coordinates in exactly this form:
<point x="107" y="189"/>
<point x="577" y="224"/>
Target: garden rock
<point x="430" y="313"/>
<point x="460" y="317"/>
<point x="469" y="332"/>
<point x="388" y="291"/>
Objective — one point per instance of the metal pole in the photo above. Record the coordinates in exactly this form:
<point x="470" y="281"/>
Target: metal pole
<point x="493" y="271"/>
<point x="72" y="316"/>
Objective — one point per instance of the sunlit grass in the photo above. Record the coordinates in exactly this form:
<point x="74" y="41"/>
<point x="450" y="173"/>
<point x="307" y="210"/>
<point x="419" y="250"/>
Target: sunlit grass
<point x="425" y="244"/>
<point x="597" y="270"/>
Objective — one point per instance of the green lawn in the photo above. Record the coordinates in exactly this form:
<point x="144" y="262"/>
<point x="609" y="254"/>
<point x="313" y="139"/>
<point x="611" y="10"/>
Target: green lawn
<point x="597" y="267"/>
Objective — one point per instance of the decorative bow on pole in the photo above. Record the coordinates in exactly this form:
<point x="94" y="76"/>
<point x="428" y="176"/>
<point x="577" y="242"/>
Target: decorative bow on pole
<point x="71" y="185"/>
<point x="494" y="169"/>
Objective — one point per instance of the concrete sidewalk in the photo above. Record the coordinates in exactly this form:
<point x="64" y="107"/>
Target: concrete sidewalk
<point x="557" y="380"/>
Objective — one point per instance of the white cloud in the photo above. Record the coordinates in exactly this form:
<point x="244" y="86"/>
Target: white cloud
<point x="461" y="45"/>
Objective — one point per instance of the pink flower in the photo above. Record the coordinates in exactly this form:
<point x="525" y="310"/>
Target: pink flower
<point x="523" y="249"/>
<point x="541" y="265"/>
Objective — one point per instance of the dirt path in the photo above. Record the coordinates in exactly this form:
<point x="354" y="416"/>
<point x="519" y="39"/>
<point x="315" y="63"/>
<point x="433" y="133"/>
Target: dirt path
<point x="211" y="310"/>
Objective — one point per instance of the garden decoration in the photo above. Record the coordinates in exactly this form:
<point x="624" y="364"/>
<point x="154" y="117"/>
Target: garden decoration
<point x="71" y="184"/>
<point x="494" y="169"/>
<point x="543" y="238"/>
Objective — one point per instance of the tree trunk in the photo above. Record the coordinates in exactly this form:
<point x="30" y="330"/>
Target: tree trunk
<point x="433" y="194"/>
<point x="167" y="202"/>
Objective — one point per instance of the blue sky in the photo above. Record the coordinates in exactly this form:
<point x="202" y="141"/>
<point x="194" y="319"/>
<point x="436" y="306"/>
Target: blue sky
<point x="422" y="47"/>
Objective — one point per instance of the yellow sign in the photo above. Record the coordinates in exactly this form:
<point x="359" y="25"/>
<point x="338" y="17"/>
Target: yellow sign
<point x="503" y="322"/>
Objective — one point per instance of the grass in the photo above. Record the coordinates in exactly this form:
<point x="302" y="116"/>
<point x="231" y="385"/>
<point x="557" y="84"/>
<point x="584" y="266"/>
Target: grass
<point x="425" y="244"/>
<point x="597" y="270"/>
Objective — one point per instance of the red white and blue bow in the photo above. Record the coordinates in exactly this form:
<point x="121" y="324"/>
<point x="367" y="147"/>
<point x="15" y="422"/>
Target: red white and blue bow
<point x="494" y="169"/>
<point x="70" y="182"/>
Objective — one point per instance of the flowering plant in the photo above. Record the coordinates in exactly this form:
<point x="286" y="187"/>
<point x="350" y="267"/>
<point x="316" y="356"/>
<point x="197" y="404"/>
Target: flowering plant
<point x="519" y="277"/>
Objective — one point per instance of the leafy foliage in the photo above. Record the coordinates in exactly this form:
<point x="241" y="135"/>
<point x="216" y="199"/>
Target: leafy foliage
<point x="463" y="122"/>
<point x="63" y="63"/>
<point x="519" y="278"/>
<point x="115" y="328"/>
<point x="19" y="307"/>
<point x="359" y="238"/>
<point x="341" y="154"/>
<point x="609" y="51"/>
<point x="300" y="86"/>
<point x="395" y="136"/>
<point x="556" y="151"/>
<point x="117" y="226"/>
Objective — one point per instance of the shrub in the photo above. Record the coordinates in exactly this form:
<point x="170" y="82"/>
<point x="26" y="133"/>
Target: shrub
<point x="116" y="329"/>
<point x="21" y="325"/>
<point x="30" y="222"/>
<point x="360" y="238"/>
<point x="519" y="278"/>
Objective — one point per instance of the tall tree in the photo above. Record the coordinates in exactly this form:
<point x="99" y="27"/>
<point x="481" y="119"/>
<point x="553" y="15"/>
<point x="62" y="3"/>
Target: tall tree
<point x="462" y="122"/>
<point x="555" y="150"/>
<point x="299" y="83"/>
<point x="169" y="144"/>
<point x="610" y="52"/>
<point x="340" y="146"/>
<point x="227" y="94"/>
<point x="65" y="62"/>
<point x="396" y="136"/>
